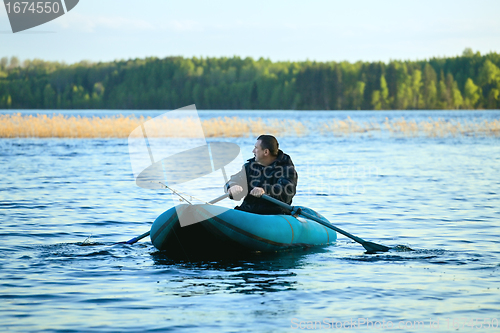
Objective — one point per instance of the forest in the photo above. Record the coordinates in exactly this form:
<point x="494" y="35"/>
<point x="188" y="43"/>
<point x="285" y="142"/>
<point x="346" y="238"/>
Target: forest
<point x="468" y="81"/>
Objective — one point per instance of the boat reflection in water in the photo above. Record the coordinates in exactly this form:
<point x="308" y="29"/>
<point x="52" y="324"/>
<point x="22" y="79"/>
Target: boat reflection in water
<point x="252" y="273"/>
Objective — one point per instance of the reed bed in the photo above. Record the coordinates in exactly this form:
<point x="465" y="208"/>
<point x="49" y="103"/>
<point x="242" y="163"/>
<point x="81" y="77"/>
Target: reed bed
<point x="412" y="128"/>
<point x="348" y="127"/>
<point x="60" y="126"/>
<point x="236" y="127"/>
<point x="443" y="128"/>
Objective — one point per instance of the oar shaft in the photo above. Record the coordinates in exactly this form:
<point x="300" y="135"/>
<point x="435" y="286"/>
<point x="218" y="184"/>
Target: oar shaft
<point x="311" y="217"/>
<point x="135" y="239"/>
<point x="138" y="238"/>
<point x="371" y="247"/>
<point x="222" y="197"/>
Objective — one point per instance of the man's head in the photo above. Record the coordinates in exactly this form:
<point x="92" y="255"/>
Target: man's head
<point x="266" y="149"/>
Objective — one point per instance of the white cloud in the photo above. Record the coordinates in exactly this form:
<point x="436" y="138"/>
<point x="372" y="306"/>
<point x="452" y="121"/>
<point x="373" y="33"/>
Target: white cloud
<point x="86" y="23"/>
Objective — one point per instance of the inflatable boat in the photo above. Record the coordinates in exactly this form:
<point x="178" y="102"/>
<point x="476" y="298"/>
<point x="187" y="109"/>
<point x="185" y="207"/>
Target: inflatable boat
<point x="228" y="231"/>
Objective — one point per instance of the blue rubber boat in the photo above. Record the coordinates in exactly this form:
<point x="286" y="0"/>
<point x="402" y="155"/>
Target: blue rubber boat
<point x="229" y="231"/>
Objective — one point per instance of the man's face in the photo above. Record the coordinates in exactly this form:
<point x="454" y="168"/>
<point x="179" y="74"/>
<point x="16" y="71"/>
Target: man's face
<point x="258" y="152"/>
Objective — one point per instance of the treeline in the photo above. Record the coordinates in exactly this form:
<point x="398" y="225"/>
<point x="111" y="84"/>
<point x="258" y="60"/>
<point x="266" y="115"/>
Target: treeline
<point x="470" y="81"/>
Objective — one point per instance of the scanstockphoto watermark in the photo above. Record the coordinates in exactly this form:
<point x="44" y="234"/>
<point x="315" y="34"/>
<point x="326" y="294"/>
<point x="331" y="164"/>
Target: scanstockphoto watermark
<point x="369" y="324"/>
<point x="170" y="151"/>
<point x="25" y="15"/>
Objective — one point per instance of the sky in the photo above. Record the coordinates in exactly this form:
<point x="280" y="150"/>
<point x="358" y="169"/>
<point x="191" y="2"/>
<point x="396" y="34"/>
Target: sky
<point x="329" y="30"/>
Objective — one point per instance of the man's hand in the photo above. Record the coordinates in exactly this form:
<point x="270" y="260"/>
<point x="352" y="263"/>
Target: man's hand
<point x="257" y="192"/>
<point x="235" y="190"/>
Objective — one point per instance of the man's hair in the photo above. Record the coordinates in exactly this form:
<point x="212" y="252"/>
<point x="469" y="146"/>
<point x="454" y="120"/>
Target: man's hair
<point x="269" y="142"/>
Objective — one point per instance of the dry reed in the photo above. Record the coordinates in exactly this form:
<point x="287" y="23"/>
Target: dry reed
<point x="412" y="128"/>
<point x="59" y="126"/>
<point x="347" y="127"/>
<point x="443" y="128"/>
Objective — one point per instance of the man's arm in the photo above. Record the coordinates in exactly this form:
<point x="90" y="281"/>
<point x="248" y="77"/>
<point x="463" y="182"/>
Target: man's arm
<point x="236" y="185"/>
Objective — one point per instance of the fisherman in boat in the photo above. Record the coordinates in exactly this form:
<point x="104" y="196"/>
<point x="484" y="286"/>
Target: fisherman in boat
<point x="269" y="172"/>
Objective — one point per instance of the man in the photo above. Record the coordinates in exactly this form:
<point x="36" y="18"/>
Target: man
<point x="270" y="172"/>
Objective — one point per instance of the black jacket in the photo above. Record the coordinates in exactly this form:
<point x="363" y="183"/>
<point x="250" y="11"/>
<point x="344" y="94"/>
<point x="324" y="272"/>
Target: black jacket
<point x="279" y="180"/>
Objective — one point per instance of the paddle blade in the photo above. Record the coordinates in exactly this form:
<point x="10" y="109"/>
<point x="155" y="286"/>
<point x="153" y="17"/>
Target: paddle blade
<point x="374" y="247"/>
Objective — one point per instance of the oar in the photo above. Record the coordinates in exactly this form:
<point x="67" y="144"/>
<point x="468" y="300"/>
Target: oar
<point x="135" y="239"/>
<point x="146" y="234"/>
<point x="369" y="246"/>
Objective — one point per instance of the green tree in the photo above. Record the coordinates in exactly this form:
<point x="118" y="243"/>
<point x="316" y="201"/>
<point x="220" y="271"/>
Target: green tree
<point x="494" y="99"/>
<point x="236" y="83"/>
<point x="406" y="84"/>
<point x="357" y="95"/>
<point x="468" y="52"/>
<point x="472" y="94"/>
<point x="380" y="98"/>
<point x="429" y="89"/>
<point x="3" y="63"/>
<point x="49" y="97"/>
<point x="489" y="79"/>
<point x="458" y="100"/>
<point x="376" y="100"/>
<point x="416" y="87"/>
<point x="14" y="62"/>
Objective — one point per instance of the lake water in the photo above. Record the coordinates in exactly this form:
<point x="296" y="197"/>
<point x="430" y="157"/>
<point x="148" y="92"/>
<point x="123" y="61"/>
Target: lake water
<point x="65" y="202"/>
